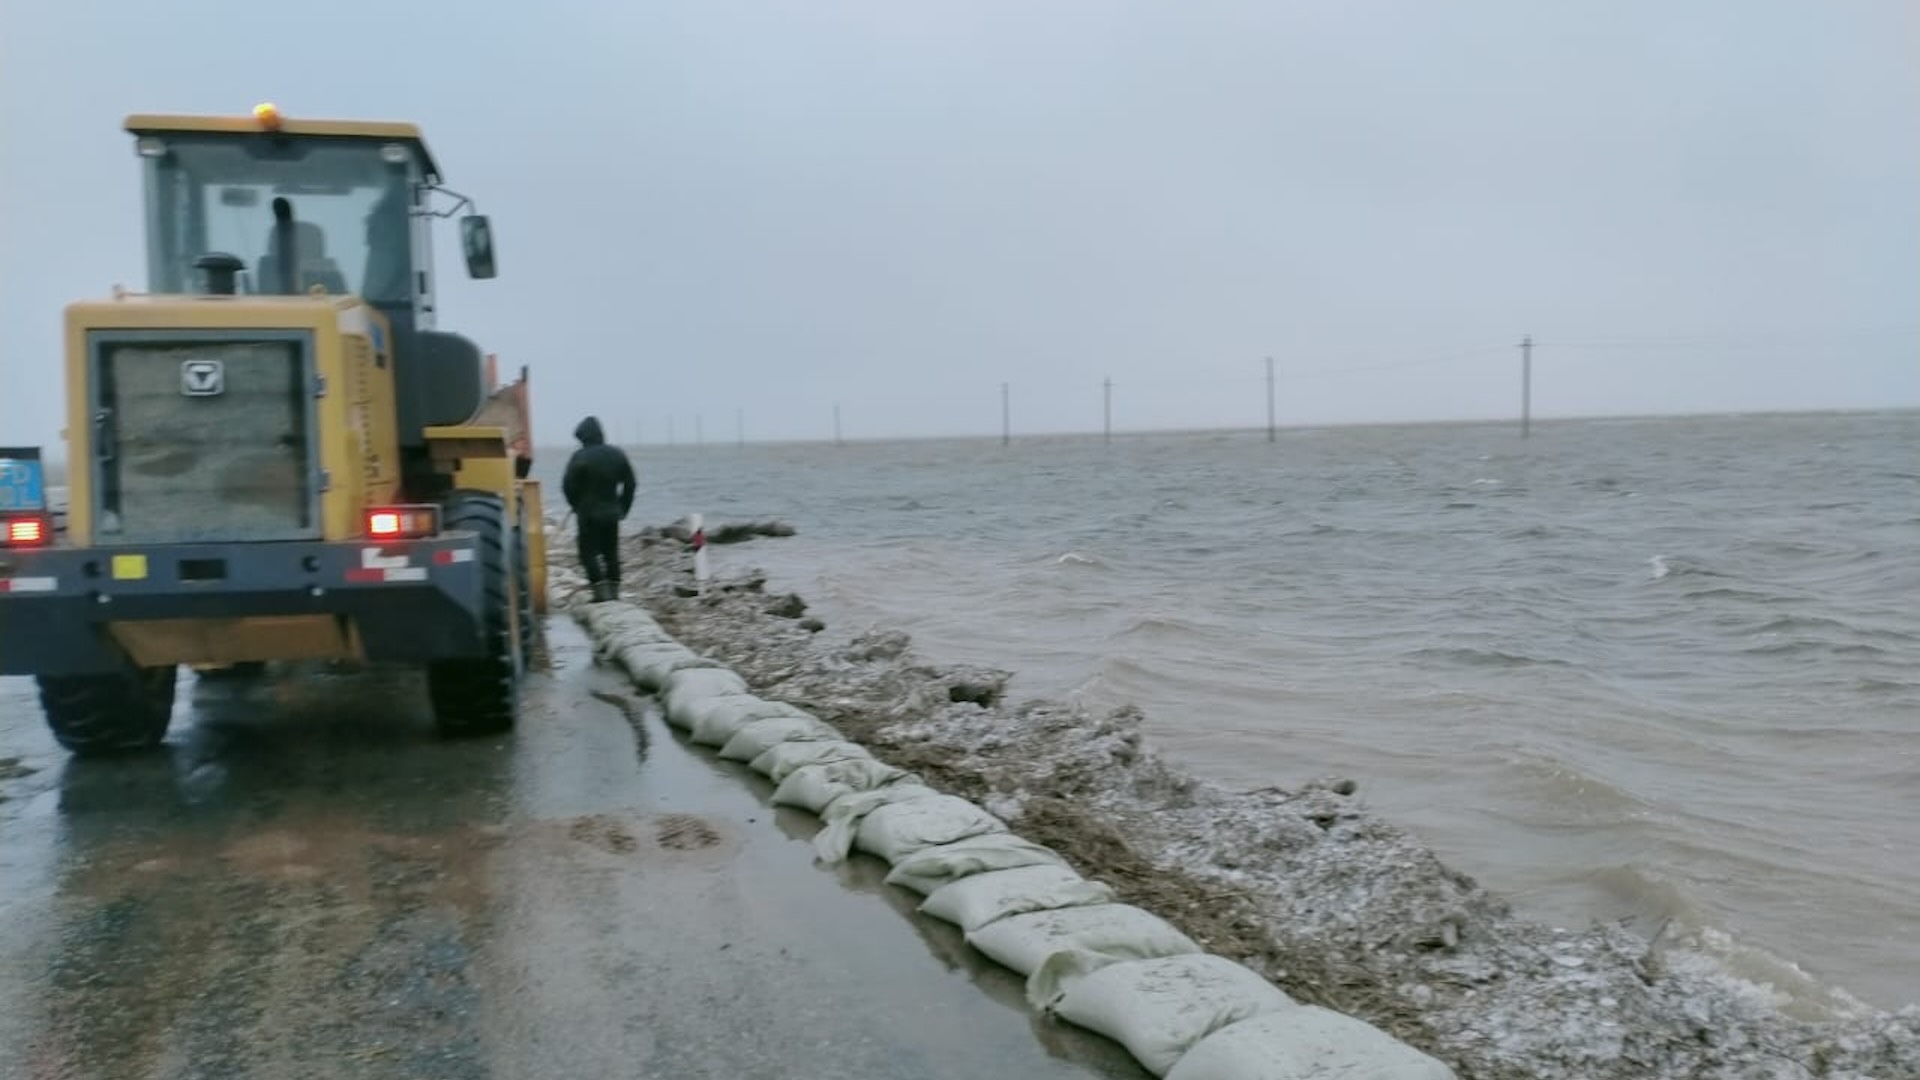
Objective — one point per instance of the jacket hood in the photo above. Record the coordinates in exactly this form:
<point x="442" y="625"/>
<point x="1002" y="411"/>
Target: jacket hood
<point x="589" y="433"/>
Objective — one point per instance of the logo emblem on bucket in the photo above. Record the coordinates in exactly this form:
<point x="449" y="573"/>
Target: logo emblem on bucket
<point x="202" y="378"/>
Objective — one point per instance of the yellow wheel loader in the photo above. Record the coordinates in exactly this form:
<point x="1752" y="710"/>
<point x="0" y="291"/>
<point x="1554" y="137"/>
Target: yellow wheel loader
<point x="274" y="453"/>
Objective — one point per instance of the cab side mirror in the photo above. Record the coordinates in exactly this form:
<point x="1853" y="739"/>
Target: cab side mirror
<point x="476" y="239"/>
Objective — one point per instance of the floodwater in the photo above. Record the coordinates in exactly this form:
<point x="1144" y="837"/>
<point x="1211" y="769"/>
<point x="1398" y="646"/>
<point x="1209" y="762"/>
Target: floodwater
<point x="1665" y="670"/>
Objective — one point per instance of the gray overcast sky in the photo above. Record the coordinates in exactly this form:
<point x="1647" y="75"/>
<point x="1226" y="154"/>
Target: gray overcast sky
<point x="774" y="206"/>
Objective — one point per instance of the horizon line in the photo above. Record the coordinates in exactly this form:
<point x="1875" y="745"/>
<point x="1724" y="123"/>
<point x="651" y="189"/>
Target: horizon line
<point x="1138" y="432"/>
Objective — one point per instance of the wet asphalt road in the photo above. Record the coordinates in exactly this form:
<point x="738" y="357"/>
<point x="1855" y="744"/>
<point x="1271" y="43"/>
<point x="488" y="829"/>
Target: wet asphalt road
<point x="307" y="884"/>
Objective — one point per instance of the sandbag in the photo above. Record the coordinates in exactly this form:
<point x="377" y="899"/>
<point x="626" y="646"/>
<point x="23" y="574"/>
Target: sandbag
<point x="844" y="816"/>
<point x="619" y="626"/>
<point x="614" y="639"/>
<point x="902" y="828"/>
<point x="755" y="737"/>
<point x="688" y="685"/>
<point x="717" y="719"/>
<point x="1305" y="1042"/>
<point x="779" y="761"/>
<point x="976" y="900"/>
<point x="812" y="787"/>
<point x="930" y="868"/>
<point x="1157" y="1009"/>
<point x="1114" y="931"/>
<point x="650" y="665"/>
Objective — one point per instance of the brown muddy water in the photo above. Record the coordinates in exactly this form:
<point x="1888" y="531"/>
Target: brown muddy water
<point x="1665" y="670"/>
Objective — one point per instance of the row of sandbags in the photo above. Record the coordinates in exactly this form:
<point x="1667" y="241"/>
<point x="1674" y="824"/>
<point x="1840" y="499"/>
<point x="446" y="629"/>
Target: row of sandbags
<point x="1110" y="967"/>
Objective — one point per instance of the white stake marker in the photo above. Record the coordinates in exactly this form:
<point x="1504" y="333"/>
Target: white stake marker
<point x="699" y="542"/>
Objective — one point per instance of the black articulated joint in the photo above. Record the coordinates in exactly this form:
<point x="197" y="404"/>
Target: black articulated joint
<point x="109" y="713"/>
<point x="479" y="695"/>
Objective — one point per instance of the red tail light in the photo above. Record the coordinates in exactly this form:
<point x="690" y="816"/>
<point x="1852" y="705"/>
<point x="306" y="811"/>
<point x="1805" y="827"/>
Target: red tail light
<point x="402" y="522"/>
<point x="26" y="530"/>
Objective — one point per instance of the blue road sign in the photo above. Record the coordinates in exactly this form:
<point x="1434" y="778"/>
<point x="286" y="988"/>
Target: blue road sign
<point x="22" y="482"/>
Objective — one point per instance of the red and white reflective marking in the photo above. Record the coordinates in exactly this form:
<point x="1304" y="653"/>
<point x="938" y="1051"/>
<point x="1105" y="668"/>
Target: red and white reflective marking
<point x="372" y="559"/>
<point x="392" y="573"/>
<point x="378" y="566"/>
<point x="28" y="584"/>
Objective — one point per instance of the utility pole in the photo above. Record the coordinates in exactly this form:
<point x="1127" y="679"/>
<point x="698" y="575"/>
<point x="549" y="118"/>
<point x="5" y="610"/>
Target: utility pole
<point x="1006" y="414"/>
<point x="1269" y="399"/>
<point x="1526" y="387"/>
<point x="836" y="425"/>
<point x="1107" y="428"/>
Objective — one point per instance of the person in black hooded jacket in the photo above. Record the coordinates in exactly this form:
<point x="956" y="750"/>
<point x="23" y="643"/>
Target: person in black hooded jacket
<point x="599" y="488"/>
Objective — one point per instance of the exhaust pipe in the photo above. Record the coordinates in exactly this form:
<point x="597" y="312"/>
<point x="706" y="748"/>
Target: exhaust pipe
<point x="217" y="270"/>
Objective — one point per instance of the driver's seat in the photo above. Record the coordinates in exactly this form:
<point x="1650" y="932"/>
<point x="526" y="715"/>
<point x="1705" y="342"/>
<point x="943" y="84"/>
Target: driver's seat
<point x="315" y="268"/>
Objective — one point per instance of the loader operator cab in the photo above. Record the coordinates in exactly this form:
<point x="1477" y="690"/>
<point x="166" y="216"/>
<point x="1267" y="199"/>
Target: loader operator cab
<point x="263" y="206"/>
<point x="344" y="213"/>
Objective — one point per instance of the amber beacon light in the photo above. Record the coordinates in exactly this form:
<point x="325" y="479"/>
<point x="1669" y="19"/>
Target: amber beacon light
<point x="268" y="114"/>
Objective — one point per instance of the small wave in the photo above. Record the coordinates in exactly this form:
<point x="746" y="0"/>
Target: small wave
<point x="1800" y="624"/>
<point x="1774" y="979"/>
<point x="1168" y="630"/>
<point x="1804" y="647"/>
<point x="1725" y="592"/>
<point x="1461" y="506"/>
<point x="1831" y="630"/>
<point x="1472" y="657"/>
<point x="1649" y="898"/>
<point x="1567" y="794"/>
<point x="1678" y="566"/>
<point x="1075" y="558"/>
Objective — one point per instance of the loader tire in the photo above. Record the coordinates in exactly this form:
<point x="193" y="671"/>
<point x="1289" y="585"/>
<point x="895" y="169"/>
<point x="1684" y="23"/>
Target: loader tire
<point x="479" y="695"/>
<point x="121" y="712"/>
